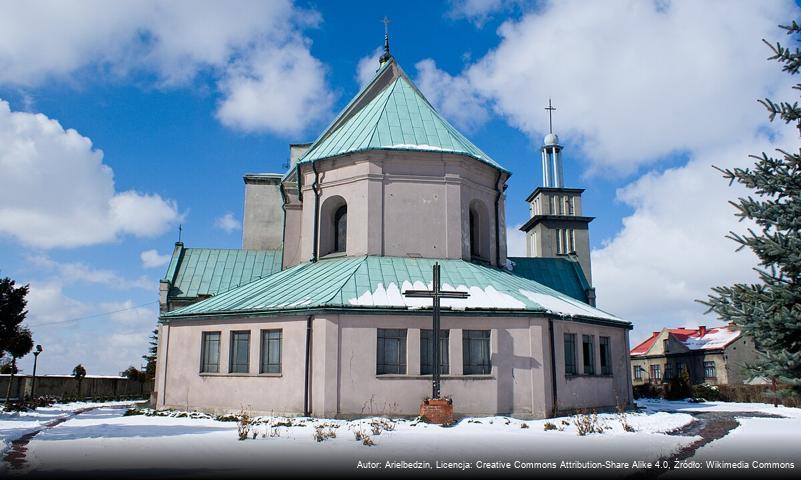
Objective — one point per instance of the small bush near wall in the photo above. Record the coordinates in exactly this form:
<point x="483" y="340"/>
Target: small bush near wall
<point x="725" y="393"/>
<point x="759" y="394"/>
<point x="705" y="391"/>
<point x="648" y="390"/>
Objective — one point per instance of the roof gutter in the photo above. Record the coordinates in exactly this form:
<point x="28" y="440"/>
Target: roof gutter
<point x="498" y="194"/>
<point x="554" y="396"/>
<point x="316" y="188"/>
<point x="307" y="371"/>
<point x="284" y="201"/>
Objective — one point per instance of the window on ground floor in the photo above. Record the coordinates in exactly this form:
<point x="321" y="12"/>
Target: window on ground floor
<point x="427" y="352"/>
<point x="391" y="351"/>
<point x="589" y="354"/>
<point x="656" y="373"/>
<point x="240" y="352"/>
<point x="476" y="352"/>
<point x="570" y="354"/>
<point x="709" y="370"/>
<point x="668" y="371"/>
<point x="606" y="355"/>
<point x="638" y="373"/>
<point x="271" y="351"/>
<point x="210" y="353"/>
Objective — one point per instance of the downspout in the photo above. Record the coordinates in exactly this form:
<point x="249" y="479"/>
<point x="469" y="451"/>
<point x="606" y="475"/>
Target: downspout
<point x="316" y="188"/>
<point x="284" y="199"/>
<point x="307" y="375"/>
<point x="554" y="396"/>
<point x="498" y="221"/>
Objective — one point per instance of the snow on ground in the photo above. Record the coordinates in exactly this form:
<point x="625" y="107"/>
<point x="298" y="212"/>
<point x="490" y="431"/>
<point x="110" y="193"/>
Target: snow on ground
<point x="104" y="439"/>
<point x="16" y="424"/>
<point x="657" y="405"/>
<point x="760" y="439"/>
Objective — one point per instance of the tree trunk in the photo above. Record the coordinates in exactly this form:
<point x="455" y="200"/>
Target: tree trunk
<point x="11" y="379"/>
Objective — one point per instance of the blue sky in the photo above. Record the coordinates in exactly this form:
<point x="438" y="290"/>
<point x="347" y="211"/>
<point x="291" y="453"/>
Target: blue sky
<point x="182" y="100"/>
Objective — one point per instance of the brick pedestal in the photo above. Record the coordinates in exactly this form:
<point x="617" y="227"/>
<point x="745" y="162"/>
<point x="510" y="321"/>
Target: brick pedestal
<point x="438" y="411"/>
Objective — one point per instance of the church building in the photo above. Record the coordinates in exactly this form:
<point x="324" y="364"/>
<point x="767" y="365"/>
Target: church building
<point x="310" y="317"/>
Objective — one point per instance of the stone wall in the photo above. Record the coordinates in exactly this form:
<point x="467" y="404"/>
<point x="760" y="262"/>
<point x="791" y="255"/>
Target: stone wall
<point x="66" y="386"/>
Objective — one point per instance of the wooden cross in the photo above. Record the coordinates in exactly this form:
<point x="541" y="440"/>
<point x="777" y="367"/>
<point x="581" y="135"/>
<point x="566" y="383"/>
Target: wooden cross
<point x="436" y="294"/>
<point x="550" y="109"/>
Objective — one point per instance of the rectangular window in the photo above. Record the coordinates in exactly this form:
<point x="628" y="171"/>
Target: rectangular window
<point x="589" y="354"/>
<point x="427" y="352"/>
<point x="668" y="371"/>
<point x="638" y="373"/>
<point x="571" y="208"/>
<point x="570" y="354"/>
<point x="271" y="351"/>
<point x="656" y="373"/>
<point x="476" y="352"/>
<point x="665" y="345"/>
<point x="606" y="355"/>
<point x="210" y="353"/>
<point x="240" y="352"/>
<point x="571" y="241"/>
<point x="709" y="370"/>
<point x="391" y="351"/>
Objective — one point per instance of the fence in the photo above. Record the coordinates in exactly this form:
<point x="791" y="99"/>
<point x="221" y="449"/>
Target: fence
<point x="66" y="386"/>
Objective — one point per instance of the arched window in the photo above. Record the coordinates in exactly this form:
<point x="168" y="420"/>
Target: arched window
<point x="478" y="229"/>
<point x="341" y="229"/>
<point x="475" y="250"/>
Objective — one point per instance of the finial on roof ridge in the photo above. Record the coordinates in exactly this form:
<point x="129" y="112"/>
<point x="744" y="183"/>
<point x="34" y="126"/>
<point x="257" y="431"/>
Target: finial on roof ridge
<point x="386" y="56"/>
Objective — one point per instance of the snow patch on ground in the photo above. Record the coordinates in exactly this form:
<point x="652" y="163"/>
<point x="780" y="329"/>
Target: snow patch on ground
<point x="658" y="405"/>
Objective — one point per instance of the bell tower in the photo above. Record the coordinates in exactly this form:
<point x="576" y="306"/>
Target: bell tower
<point x="556" y="227"/>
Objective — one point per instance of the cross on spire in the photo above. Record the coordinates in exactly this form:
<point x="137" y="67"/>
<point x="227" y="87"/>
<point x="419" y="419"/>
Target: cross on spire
<point x="550" y="109"/>
<point x="180" y="231"/>
<point x="436" y="293"/>
<point x="386" y="56"/>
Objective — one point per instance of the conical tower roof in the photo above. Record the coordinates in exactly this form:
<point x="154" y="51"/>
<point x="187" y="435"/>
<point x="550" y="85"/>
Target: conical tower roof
<point x="390" y="113"/>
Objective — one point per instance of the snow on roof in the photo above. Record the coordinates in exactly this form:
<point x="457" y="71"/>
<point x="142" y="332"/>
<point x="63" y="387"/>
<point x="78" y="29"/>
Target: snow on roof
<point x="694" y="339"/>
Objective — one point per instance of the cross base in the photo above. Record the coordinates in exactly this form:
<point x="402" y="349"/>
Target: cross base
<point x="438" y="411"/>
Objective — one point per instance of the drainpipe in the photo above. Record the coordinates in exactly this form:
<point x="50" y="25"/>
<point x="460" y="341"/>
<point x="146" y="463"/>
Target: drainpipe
<point x="284" y="199"/>
<point x="554" y="397"/>
<point x="498" y="221"/>
<point x="316" y="188"/>
<point x="297" y="180"/>
<point x="306" y="409"/>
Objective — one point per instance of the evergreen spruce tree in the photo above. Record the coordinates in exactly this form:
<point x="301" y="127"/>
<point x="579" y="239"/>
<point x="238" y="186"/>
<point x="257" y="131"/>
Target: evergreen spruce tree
<point x="150" y="358"/>
<point x="770" y="310"/>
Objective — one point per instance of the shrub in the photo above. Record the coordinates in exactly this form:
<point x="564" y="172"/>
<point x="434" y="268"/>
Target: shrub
<point x="549" y="426"/>
<point x="679" y="387"/>
<point x="705" y="391"/>
<point x="587" y="423"/>
<point x="243" y="427"/>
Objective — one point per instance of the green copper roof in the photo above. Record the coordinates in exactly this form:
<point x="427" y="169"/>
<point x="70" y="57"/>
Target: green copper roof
<point x="372" y="283"/>
<point x="209" y="271"/>
<point x="561" y="274"/>
<point x="390" y="113"/>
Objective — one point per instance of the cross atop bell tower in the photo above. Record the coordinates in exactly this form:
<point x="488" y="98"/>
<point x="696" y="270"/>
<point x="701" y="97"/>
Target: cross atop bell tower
<point x="386" y="55"/>
<point x="557" y="228"/>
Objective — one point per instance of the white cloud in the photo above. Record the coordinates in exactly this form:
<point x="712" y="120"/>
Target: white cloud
<point x="453" y="96"/>
<point x="228" y="222"/>
<point x="153" y="259"/>
<point x="279" y="89"/>
<point x="104" y="344"/>
<point x="672" y="249"/>
<point x="479" y="11"/>
<point x="56" y="191"/>
<point x="634" y="81"/>
<point x="367" y="66"/>
<point x="73" y="272"/>
<point x="172" y="43"/>
<point x="515" y="241"/>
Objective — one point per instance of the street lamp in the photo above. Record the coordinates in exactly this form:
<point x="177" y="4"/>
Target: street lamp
<point x="36" y="353"/>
